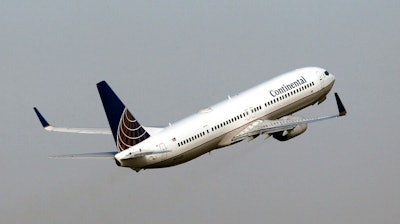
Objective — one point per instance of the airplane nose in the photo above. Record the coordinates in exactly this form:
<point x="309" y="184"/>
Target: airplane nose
<point x="332" y="78"/>
<point x="329" y="75"/>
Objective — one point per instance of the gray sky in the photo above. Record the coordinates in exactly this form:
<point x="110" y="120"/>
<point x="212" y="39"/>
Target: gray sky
<point x="168" y="60"/>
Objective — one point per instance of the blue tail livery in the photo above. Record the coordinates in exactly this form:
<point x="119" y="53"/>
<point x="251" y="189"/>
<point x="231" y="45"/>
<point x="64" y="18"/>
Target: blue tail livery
<point x="126" y="130"/>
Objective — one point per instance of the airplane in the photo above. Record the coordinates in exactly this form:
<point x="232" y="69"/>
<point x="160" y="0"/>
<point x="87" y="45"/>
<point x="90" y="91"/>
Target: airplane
<point x="266" y="109"/>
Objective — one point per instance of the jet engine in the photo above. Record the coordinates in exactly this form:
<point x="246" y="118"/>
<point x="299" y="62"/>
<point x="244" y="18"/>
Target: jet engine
<point x="288" y="134"/>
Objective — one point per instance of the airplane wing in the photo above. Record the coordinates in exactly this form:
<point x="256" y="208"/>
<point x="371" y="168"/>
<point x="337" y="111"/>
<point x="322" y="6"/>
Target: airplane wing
<point x="273" y="126"/>
<point x="101" y="131"/>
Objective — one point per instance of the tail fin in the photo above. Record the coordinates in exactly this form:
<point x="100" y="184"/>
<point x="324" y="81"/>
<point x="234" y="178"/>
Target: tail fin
<point x="126" y="129"/>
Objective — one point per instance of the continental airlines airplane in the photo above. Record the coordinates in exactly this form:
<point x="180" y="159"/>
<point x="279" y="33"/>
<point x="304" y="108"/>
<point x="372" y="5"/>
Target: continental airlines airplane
<point x="265" y="109"/>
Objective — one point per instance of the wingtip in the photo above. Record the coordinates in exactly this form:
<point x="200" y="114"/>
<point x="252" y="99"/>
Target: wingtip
<point x="102" y="83"/>
<point x="341" y="108"/>
<point x="42" y="120"/>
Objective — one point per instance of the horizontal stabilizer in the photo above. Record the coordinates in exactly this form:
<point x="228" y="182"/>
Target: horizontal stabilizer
<point x="96" y="155"/>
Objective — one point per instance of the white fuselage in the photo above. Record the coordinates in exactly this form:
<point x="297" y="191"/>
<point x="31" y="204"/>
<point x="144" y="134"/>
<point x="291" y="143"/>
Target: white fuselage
<point x="215" y="127"/>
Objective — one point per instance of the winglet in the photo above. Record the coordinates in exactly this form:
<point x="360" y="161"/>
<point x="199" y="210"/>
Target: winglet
<point x="45" y="124"/>
<point x="342" y="110"/>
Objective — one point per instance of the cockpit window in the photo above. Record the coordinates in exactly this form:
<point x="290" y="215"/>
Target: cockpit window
<point x="326" y="73"/>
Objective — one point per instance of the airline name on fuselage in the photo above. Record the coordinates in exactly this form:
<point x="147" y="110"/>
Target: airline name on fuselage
<point x="288" y="87"/>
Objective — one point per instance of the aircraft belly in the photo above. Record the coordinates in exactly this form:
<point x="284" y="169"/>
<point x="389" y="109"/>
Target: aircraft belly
<point x="187" y="155"/>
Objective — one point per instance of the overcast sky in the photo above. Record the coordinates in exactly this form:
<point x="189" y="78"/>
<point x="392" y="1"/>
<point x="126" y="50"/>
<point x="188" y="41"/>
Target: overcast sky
<point x="168" y="60"/>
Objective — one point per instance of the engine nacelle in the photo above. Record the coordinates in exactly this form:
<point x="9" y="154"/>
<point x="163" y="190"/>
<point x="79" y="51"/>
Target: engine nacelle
<point x="286" y="135"/>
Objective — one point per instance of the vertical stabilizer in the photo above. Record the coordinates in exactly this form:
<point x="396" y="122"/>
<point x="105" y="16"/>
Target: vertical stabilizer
<point x="125" y="128"/>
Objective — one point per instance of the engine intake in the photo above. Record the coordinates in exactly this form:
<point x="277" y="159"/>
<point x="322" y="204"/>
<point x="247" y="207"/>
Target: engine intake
<point x="288" y="134"/>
